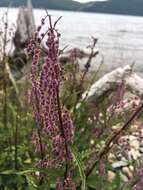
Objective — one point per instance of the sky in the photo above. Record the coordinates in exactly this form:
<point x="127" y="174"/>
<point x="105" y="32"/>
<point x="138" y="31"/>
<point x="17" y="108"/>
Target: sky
<point x="85" y="1"/>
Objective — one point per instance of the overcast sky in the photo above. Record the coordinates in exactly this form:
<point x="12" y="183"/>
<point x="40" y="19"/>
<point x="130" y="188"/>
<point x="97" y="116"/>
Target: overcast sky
<point x="85" y="1"/>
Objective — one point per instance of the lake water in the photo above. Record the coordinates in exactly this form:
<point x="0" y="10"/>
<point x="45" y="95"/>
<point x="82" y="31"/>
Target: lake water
<point x="120" y="37"/>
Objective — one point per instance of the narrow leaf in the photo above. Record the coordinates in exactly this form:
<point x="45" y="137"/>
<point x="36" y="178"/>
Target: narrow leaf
<point x="80" y="167"/>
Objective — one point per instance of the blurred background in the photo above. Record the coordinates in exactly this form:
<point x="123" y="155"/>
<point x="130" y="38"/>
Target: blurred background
<point x="118" y="25"/>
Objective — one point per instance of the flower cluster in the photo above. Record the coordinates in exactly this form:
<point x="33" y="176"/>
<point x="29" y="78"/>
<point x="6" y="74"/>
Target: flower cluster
<point x="124" y="106"/>
<point x="53" y="120"/>
<point x="68" y="183"/>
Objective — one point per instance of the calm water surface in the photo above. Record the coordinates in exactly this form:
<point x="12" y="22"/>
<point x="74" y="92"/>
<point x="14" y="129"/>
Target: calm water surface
<point x="120" y="37"/>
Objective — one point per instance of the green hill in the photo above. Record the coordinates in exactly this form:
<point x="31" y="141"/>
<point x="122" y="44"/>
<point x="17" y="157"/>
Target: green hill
<point x="126" y="7"/>
<point x="47" y="4"/>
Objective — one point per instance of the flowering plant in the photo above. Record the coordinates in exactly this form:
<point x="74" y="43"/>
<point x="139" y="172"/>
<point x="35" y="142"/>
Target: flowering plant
<point x="52" y="118"/>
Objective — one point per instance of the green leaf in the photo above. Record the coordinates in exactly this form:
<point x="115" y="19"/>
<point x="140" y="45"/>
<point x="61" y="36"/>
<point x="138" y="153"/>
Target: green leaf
<point x="14" y="172"/>
<point x="31" y="170"/>
<point x="80" y="167"/>
<point x="31" y="182"/>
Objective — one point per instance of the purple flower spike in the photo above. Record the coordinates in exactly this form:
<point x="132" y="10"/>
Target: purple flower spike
<point x="52" y="119"/>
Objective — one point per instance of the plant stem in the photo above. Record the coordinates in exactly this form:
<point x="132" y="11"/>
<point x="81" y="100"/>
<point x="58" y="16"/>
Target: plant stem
<point x="40" y="142"/>
<point x="39" y="129"/>
<point x="4" y="74"/>
<point x="62" y="133"/>
<point x="16" y="142"/>
<point x="39" y="135"/>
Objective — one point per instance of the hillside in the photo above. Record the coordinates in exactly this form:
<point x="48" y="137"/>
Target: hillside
<point x="126" y="7"/>
<point x="47" y="4"/>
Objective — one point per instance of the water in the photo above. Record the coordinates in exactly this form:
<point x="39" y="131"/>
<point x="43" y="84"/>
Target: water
<point x="120" y="37"/>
